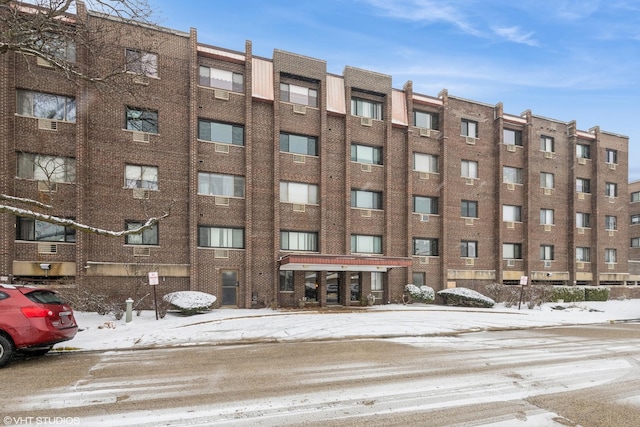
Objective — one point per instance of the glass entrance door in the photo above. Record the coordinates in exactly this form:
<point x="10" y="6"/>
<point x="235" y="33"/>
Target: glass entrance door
<point x="333" y="287"/>
<point x="229" y="287"/>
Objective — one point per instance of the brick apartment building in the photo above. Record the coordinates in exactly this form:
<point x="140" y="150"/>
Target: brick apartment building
<point x="288" y="183"/>
<point x="634" y="231"/>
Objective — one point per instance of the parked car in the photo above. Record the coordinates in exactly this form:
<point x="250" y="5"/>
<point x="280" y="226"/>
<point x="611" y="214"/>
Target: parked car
<point x="32" y="319"/>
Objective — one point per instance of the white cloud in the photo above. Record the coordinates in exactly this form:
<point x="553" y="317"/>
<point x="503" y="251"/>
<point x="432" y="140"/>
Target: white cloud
<point x="515" y="34"/>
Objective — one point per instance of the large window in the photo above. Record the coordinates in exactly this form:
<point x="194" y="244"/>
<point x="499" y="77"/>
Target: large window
<point x="611" y="189"/>
<point x="469" y="169"/>
<point x="512" y="251"/>
<point x="546" y="180"/>
<point x="635" y="219"/>
<point x="140" y="62"/>
<point x="610" y="222"/>
<point x="366" y="199"/>
<point x="469" y="249"/>
<point x="366" y="244"/>
<point x="366" y="154"/>
<point x="469" y="128"/>
<point x="546" y="253"/>
<point x="511" y="175"/>
<point x="583" y="151"/>
<point x="220" y="185"/>
<point x="142" y="120"/>
<point x="298" y="241"/>
<point x="46" y="168"/>
<point x="299" y="144"/>
<point x="583" y="220"/>
<point x="610" y="256"/>
<point x="136" y="176"/>
<point x="299" y="193"/>
<point x="40" y="231"/>
<point x="56" y="45"/>
<point x="511" y="213"/>
<point x="219" y="237"/>
<point x="220" y="132"/>
<point x="635" y="196"/>
<point x="546" y="217"/>
<point x="583" y="254"/>
<point x="425" y="163"/>
<point x="469" y="209"/>
<point x="547" y="144"/>
<point x="512" y="137"/>
<point x="221" y="79"/>
<point x="46" y="106"/>
<point x="148" y="236"/>
<point x="425" y="120"/>
<point x="635" y="242"/>
<point x="298" y="95"/>
<point x="611" y="156"/>
<point x="583" y="185"/>
<point x="425" y="205"/>
<point x="425" y="247"/>
<point x="286" y="281"/>
<point x="365" y="108"/>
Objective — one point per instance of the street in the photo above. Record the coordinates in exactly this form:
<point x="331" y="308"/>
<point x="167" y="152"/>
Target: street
<point x="565" y="376"/>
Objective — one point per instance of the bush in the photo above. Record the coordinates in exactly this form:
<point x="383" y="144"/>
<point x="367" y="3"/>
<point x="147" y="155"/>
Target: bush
<point x="567" y="293"/>
<point x="596" y="293"/>
<point x="420" y="294"/>
<point x="464" y="297"/>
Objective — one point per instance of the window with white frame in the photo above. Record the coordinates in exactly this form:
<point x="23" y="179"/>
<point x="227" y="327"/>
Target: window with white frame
<point x="138" y="176"/>
<point x="583" y="254"/>
<point x="469" y="208"/>
<point x="546" y="253"/>
<point x="635" y="242"/>
<point x="299" y="193"/>
<point x="611" y="189"/>
<point x="469" y="169"/>
<point x="366" y="154"/>
<point x="635" y="196"/>
<point x="512" y="251"/>
<point x="425" y="163"/>
<point x="635" y="219"/>
<point x="583" y="151"/>
<point x="220" y="237"/>
<point x="39" y="231"/>
<point x="141" y="120"/>
<point x="610" y="256"/>
<point x="583" y="220"/>
<point x="298" y="95"/>
<point x="469" y="249"/>
<point x="366" y="108"/>
<point x="299" y="144"/>
<point x="46" y="106"/>
<point x="298" y="241"/>
<point x="546" y="180"/>
<point x="583" y="185"/>
<point x="376" y="281"/>
<point x="147" y="236"/>
<point x="425" y="205"/>
<point x="469" y="128"/>
<point x="214" y="184"/>
<point x="41" y="167"/>
<point x="425" y="120"/>
<point x="512" y="137"/>
<point x="610" y="222"/>
<point x="511" y="213"/>
<point x="139" y="62"/>
<point x="546" y="217"/>
<point x="547" y="144"/>
<point x="366" y="199"/>
<point x="221" y="79"/>
<point x="511" y="175"/>
<point x="366" y="244"/>
<point x="611" y="156"/>
<point x="225" y="133"/>
<point x="425" y="246"/>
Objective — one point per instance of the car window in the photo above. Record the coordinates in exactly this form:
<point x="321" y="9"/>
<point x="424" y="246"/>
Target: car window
<point x="3" y="295"/>
<point x="44" y="297"/>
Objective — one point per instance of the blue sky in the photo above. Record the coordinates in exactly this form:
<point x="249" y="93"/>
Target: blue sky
<point x="563" y="59"/>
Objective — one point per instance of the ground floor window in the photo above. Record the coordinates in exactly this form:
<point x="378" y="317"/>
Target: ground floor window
<point x="311" y="286"/>
<point x="418" y="279"/>
<point x="286" y="281"/>
<point x="355" y="287"/>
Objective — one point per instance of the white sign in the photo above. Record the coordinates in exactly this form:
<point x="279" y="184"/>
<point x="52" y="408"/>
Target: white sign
<point x="153" y="278"/>
<point x="523" y="279"/>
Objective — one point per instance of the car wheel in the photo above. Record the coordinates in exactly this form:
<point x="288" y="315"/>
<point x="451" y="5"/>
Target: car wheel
<point x="6" y="350"/>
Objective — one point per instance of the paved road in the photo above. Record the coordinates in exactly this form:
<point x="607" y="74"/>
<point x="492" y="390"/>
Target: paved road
<point x="587" y="375"/>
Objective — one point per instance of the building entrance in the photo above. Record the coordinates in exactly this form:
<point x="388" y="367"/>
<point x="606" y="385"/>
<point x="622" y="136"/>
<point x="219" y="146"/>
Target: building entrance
<point x="334" y="287"/>
<point x="229" y="287"/>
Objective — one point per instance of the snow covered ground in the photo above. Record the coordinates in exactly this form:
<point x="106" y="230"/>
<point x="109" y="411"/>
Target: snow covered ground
<point x="221" y="326"/>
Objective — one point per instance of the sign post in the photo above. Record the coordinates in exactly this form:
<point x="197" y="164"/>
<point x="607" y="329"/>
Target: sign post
<point x="153" y="281"/>
<point x="523" y="283"/>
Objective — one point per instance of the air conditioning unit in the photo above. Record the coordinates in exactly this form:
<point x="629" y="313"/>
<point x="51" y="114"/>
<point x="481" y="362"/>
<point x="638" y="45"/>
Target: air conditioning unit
<point x="424" y="175"/>
<point x="580" y="196"/>
<point x="580" y="230"/>
<point x="511" y="148"/>
<point x="424" y="260"/>
<point x="611" y="199"/>
<point x="547" y="227"/>
<point x="46" y="124"/>
<point x="470" y="140"/>
<point x="582" y="161"/>
<point x="141" y="80"/>
<point x="425" y="132"/>
<point x="366" y="121"/>
<point x="612" y="166"/>
<point x="469" y="261"/>
<point x="47" y="248"/>
<point x="47" y="187"/>
<point x="547" y="191"/>
<point x="297" y="207"/>
<point x="611" y="233"/>
<point x="299" y="109"/>
<point x="469" y="181"/>
<point x="43" y="62"/>
<point x="141" y="251"/>
<point x="580" y="265"/>
<point x="548" y="155"/>
<point x="547" y="264"/>
<point x="221" y="253"/>
<point x="299" y="159"/>
<point x="140" y="193"/>
<point x="140" y="137"/>
<point x="511" y="186"/>
<point x="468" y="221"/>
<point x="221" y="201"/>
<point x="365" y="167"/>
<point x="365" y="213"/>
<point x="511" y="263"/>
<point x="611" y="265"/>
<point x="222" y="148"/>
<point x="511" y="224"/>
<point x="424" y="217"/>
<point x="221" y="94"/>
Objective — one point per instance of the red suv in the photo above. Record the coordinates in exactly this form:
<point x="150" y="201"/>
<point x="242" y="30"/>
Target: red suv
<point x="32" y="319"/>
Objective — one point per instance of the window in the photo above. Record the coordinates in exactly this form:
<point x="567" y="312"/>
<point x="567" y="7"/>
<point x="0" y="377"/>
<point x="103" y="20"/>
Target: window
<point x="583" y="220"/>
<point x="366" y="244"/>
<point x="425" y="247"/>
<point x="136" y="176"/>
<point x="546" y="252"/>
<point x="142" y="120"/>
<point x="298" y="241"/>
<point x="469" y="249"/>
<point x="220" y="185"/>
<point x="365" y="108"/>
<point x="426" y="205"/>
<point x="286" y="281"/>
<point x="425" y="120"/>
<point x="611" y="156"/>
<point x="583" y="254"/>
<point x="366" y="154"/>
<point x="299" y="95"/>
<point x="299" y="144"/>
<point x="46" y="106"/>
<point x="217" y="237"/>
<point x="469" y="209"/>
<point x="635" y="219"/>
<point x="512" y="251"/>
<point x="583" y="185"/>
<point x="425" y="163"/>
<point x="583" y="151"/>
<point x="469" y="128"/>
<point x="376" y="281"/>
<point x="610" y="222"/>
<point x="56" y="45"/>
<point x="511" y="175"/>
<point x="511" y="213"/>
<point x="546" y="217"/>
<point x="546" y="180"/>
<point x="512" y="137"/>
<point x="140" y="62"/>
<point x="146" y="237"/>
<point x="39" y="231"/>
<point x="220" y="132"/>
<point x="635" y="242"/>
<point x="546" y="144"/>
<point x="610" y="189"/>
<point x="418" y="279"/>
<point x="610" y="256"/>
<point x="297" y="192"/>
<point x="366" y="199"/>
<point x="221" y="79"/>
<point x="46" y="168"/>
<point x="635" y="196"/>
<point x="469" y="169"/>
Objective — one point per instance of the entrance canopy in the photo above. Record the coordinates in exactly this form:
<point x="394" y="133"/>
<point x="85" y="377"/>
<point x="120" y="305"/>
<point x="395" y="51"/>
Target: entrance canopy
<point x="316" y="262"/>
